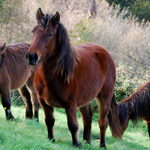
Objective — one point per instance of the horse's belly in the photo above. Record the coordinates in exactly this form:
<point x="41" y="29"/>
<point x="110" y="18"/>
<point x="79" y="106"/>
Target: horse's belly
<point x="89" y="89"/>
<point x="19" y="82"/>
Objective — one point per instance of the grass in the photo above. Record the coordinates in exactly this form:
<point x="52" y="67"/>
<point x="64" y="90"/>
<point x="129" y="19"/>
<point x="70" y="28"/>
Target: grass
<point x="24" y="134"/>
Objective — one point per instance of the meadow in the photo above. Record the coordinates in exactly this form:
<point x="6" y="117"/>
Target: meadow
<point x="23" y="134"/>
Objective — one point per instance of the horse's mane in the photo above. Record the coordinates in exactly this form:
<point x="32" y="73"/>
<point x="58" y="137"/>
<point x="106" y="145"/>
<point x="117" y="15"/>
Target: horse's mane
<point x="139" y="100"/>
<point x="67" y="55"/>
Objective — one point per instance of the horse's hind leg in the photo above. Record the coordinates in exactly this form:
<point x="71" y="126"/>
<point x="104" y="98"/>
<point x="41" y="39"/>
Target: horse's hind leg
<point x="35" y="104"/>
<point x="34" y="99"/>
<point x="104" y="105"/>
<point x="6" y="102"/>
<point x="87" y="114"/>
<point x="27" y="99"/>
<point x="73" y="124"/>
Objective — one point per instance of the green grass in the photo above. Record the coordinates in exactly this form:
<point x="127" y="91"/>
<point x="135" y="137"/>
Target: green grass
<point x="25" y="134"/>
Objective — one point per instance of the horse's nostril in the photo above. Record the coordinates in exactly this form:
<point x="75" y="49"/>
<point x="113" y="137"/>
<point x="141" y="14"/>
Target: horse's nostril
<point x="32" y="59"/>
<point x="35" y="57"/>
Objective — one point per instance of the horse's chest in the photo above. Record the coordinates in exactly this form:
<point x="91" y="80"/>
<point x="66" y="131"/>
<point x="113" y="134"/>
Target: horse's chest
<point x="52" y="98"/>
<point x="50" y="92"/>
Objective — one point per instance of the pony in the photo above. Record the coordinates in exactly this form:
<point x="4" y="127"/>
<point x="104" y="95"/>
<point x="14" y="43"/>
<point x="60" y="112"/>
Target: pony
<point x="136" y="107"/>
<point x="16" y="73"/>
<point x="71" y="77"/>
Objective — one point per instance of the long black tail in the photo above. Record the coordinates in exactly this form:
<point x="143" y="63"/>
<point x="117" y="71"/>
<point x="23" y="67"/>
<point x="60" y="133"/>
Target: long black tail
<point x="113" y="118"/>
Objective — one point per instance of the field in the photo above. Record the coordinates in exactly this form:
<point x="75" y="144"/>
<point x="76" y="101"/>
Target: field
<point x="25" y="134"/>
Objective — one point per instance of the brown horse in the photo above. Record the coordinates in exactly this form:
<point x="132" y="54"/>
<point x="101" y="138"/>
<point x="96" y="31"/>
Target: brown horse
<point x="16" y="73"/>
<point x="136" y="107"/>
<point x="69" y="77"/>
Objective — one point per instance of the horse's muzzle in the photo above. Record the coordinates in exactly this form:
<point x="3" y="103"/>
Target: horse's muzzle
<point x="32" y="59"/>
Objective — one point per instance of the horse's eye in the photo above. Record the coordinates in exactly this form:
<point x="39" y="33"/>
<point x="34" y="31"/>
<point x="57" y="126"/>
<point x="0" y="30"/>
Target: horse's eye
<point x="50" y="35"/>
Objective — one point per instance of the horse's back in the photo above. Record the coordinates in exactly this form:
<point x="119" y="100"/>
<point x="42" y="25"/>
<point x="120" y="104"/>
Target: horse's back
<point x="98" y="56"/>
<point x="14" y="68"/>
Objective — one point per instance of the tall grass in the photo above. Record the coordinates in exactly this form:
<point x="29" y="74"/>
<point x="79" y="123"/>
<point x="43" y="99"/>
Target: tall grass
<point x="25" y="134"/>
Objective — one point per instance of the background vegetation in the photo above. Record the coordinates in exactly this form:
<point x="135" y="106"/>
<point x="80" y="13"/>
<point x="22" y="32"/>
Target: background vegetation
<point x="138" y="8"/>
<point x="122" y="27"/>
<point x="125" y="38"/>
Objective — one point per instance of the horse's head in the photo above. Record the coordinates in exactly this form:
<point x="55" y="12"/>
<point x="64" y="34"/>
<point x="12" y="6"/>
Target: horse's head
<point x="124" y="114"/>
<point x="2" y="50"/>
<point x="43" y="36"/>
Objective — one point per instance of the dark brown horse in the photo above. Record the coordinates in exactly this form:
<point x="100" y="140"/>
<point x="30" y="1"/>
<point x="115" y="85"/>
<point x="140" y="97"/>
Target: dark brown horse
<point x="70" y="77"/>
<point x="16" y="73"/>
<point x="136" y="107"/>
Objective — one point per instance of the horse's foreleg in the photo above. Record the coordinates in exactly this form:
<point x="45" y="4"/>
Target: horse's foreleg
<point x="6" y="102"/>
<point x="49" y="119"/>
<point x="87" y="114"/>
<point x="73" y="124"/>
<point x="27" y="99"/>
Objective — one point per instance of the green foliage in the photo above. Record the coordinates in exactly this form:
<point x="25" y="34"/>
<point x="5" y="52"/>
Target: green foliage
<point x="81" y="33"/>
<point x="1" y="1"/>
<point x="141" y="9"/>
<point x="16" y="99"/>
<point x="126" y="83"/>
<point x="122" y="3"/>
<point x="123" y="89"/>
<point x="13" y="22"/>
<point x="138" y="8"/>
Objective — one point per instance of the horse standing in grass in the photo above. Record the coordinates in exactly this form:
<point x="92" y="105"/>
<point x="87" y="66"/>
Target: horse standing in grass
<point x="70" y="77"/>
<point x="16" y="73"/>
<point x="136" y="107"/>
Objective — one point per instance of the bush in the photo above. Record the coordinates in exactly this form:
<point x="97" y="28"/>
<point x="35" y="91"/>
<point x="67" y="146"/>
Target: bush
<point x="16" y="99"/>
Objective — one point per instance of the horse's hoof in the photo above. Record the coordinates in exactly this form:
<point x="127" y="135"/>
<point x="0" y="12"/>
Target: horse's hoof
<point x="11" y="117"/>
<point x="77" y="144"/>
<point x="88" y="142"/>
<point x="51" y="139"/>
<point x="103" y="146"/>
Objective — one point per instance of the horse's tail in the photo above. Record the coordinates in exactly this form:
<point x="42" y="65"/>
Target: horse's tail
<point x="113" y="118"/>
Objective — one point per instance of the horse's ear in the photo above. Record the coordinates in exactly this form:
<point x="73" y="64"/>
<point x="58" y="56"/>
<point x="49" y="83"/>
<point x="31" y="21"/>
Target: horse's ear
<point x="55" y="19"/>
<point x="3" y="48"/>
<point x="39" y="14"/>
<point x="4" y="45"/>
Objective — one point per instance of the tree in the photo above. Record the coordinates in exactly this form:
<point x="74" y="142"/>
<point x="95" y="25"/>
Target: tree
<point x="138" y="8"/>
<point x="141" y="9"/>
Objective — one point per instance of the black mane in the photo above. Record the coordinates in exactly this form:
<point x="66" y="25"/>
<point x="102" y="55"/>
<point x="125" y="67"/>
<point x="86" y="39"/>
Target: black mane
<point x="139" y="100"/>
<point x="67" y="56"/>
